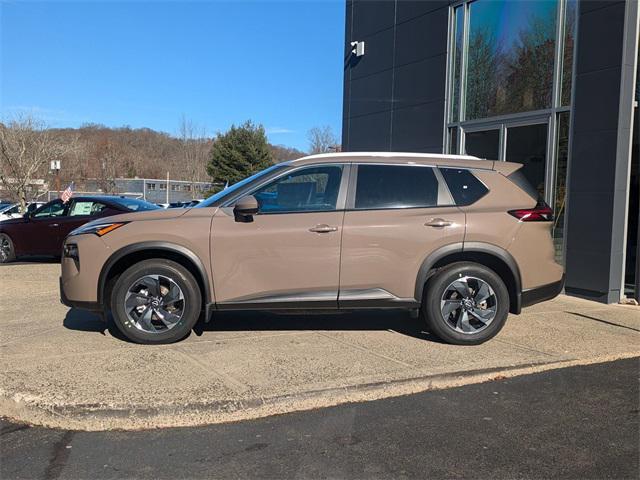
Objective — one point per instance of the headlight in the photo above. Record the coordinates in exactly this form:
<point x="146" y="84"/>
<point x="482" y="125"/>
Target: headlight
<point x="99" y="229"/>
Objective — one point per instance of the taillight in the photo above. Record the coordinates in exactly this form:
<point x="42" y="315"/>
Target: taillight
<point x="540" y="213"/>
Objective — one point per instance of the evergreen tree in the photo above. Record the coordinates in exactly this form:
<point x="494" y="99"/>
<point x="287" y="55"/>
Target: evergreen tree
<point x="239" y="153"/>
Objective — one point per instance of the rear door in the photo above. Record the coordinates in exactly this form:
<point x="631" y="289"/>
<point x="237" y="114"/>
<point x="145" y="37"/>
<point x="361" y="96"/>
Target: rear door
<point x="397" y="214"/>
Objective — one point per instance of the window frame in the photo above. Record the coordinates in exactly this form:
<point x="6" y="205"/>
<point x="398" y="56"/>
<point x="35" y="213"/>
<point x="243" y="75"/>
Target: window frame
<point x="443" y="188"/>
<point x="342" y="191"/>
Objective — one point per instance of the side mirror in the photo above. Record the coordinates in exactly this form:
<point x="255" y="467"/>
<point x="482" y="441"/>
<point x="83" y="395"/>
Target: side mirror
<point x="245" y="209"/>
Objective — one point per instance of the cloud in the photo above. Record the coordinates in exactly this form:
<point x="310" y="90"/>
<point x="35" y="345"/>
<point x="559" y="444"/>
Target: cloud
<point x="278" y="130"/>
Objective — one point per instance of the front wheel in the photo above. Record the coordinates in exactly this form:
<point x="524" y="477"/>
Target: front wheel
<point x="7" y="251"/>
<point x="156" y="301"/>
<point x="465" y="304"/>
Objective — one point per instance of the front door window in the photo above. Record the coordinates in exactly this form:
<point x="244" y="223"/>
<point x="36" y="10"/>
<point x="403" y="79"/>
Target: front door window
<point x="313" y="189"/>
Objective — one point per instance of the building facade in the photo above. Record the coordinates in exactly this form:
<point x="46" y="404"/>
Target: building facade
<point x="551" y="84"/>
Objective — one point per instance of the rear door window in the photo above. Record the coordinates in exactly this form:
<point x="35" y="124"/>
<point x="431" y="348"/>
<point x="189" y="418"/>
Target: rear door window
<point x="463" y="185"/>
<point x="396" y="186"/>
<point x="86" y="207"/>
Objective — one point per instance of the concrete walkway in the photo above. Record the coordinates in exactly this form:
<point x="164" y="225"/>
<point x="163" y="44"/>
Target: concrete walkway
<point x="60" y="368"/>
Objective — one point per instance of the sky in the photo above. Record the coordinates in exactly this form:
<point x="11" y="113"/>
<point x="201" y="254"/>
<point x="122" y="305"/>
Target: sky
<point x="148" y="63"/>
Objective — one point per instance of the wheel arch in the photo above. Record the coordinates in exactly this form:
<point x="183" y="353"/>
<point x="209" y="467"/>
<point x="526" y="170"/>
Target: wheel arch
<point x="491" y="256"/>
<point x="122" y="259"/>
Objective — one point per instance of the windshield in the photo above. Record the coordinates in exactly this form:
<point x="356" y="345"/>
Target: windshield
<point x="229" y="190"/>
<point x="135" y="205"/>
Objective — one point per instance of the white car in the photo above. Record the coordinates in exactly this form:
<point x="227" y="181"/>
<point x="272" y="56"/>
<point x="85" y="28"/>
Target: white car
<point x="13" y="210"/>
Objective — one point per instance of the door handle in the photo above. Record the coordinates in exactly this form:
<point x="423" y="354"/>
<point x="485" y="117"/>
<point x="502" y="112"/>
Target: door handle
<point x="54" y="224"/>
<point x="323" y="229"/>
<point x="438" y="223"/>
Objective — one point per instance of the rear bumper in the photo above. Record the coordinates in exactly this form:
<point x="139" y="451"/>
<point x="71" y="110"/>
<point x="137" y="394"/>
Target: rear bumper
<point x="543" y="293"/>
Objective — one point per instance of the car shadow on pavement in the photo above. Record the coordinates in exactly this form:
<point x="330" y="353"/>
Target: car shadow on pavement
<point x="84" y="321"/>
<point x="245" y="321"/>
<point x="370" y="320"/>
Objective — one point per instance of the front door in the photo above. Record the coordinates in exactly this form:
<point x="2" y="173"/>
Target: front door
<point x="289" y="255"/>
<point x="41" y="233"/>
<point x="397" y="216"/>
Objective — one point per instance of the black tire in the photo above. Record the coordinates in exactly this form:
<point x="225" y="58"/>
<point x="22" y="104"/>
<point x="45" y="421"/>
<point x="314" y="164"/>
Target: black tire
<point x="440" y="285"/>
<point x="166" y="270"/>
<point x="7" y="250"/>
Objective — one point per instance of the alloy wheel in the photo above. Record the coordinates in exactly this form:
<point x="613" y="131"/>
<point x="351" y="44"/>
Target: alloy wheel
<point x="468" y="305"/>
<point x="154" y="303"/>
<point x="5" y="249"/>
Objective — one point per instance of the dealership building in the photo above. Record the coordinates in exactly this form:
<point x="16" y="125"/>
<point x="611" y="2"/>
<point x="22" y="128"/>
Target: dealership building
<point x="551" y="84"/>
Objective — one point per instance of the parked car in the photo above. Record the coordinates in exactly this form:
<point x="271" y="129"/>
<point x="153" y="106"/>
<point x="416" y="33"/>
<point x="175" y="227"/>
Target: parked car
<point x="13" y="210"/>
<point x="42" y="231"/>
<point x="464" y="241"/>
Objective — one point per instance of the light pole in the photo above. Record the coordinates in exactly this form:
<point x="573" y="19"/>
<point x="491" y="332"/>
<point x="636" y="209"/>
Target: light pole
<point x="55" y="168"/>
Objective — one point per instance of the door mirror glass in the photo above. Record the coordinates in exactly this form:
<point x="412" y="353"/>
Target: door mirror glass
<point x="245" y="209"/>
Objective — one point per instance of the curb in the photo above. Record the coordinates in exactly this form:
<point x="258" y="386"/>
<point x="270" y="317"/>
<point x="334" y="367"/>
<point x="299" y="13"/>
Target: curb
<point x="98" y="417"/>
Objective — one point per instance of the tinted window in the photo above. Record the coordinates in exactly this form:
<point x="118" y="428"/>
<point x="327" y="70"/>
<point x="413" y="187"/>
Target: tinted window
<point x="464" y="187"/>
<point x="54" y="209"/>
<point x="390" y="186"/>
<point x="134" y="204"/>
<point x="308" y="189"/>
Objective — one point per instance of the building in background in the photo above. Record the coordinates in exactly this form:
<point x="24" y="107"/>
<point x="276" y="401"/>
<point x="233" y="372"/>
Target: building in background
<point x="551" y="84"/>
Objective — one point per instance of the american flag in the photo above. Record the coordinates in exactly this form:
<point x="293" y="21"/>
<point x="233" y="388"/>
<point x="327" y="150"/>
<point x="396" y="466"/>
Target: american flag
<point x="66" y="195"/>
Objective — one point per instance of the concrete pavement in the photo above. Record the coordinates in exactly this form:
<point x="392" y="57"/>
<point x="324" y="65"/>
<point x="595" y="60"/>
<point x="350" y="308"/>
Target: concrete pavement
<point x="62" y="368"/>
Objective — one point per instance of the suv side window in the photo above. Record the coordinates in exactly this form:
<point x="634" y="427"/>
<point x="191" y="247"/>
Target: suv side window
<point x="463" y="185"/>
<point x="396" y="186"/>
<point x="312" y="189"/>
<point x="55" y="209"/>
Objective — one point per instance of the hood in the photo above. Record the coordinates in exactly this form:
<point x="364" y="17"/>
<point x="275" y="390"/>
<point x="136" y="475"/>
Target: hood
<point x="160" y="214"/>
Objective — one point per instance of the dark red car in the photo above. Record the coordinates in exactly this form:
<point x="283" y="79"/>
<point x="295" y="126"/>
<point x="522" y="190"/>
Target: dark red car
<point x="43" y="231"/>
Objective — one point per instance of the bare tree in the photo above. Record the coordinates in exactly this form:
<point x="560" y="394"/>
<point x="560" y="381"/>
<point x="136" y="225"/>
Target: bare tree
<point x="195" y="148"/>
<point x="322" y="139"/>
<point x="26" y="148"/>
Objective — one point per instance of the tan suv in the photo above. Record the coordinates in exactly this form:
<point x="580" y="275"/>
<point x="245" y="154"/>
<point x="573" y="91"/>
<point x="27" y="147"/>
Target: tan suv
<point x="463" y="240"/>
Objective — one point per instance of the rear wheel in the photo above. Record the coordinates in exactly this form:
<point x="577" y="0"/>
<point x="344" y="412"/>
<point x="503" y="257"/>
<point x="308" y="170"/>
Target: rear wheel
<point x="156" y="301"/>
<point x="465" y="304"/>
<point x="7" y="252"/>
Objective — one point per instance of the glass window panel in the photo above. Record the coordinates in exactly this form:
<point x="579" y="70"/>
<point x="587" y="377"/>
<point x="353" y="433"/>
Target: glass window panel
<point x="528" y="145"/>
<point x="309" y="189"/>
<point x="562" y="153"/>
<point x="388" y="186"/>
<point x="567" y="56"/>
<point x="510" y="57"/>
<point x="453" y="140"/>
<point x="458" y="28"/>
<point x="484" y="144"/>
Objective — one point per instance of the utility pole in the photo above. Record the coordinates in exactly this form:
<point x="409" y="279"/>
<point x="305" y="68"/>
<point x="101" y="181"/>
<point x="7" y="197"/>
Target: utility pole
<point x="167" y="187"/>
<point x="55" y="168"/>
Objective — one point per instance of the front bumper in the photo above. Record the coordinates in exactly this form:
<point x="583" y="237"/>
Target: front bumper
<point x="543" y="293"/>
<point x="91" y="306"/>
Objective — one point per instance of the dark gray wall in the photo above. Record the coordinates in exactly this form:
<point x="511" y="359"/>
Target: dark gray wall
<point x="394" y="96"/>
<point x="598" y="171"/>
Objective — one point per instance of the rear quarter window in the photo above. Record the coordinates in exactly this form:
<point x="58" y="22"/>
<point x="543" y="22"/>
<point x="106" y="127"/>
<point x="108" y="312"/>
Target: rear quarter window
<point x="463" y="185"/>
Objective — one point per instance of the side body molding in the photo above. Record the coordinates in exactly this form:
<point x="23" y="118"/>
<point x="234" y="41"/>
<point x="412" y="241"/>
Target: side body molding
<point x="471" y="247"/>
<point x="164" y="246"/>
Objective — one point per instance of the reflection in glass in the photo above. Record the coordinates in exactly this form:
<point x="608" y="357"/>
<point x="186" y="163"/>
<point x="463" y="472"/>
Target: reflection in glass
<point x="457" y="63"/>
<point x="510" y="57"/>
<point x="528" y="145"/>
<point x="562" y="153"/>
<point x="485" y="144"/>
<point x="453" y="140"/>
<point x="567" y="56"/>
